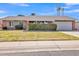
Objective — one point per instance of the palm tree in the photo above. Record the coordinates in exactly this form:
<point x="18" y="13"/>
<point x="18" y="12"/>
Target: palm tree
<point x="60" y="11"/>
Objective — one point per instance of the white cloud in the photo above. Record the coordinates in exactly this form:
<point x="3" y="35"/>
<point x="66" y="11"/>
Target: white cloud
<point x="70" y="11"/>
<point x="24" y="5"/>
<point x="77" y="10"/>
<point x="2" y="11"/>
<point x="71" y="4"/>
<point x="4" y="16"/>
<point x="47" y="13"/>
<point x="20" y="4"/>
<point x="66" y="7"/>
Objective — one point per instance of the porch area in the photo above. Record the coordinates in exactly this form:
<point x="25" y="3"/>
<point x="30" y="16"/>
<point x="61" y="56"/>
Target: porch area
<point x="28" y="25"/>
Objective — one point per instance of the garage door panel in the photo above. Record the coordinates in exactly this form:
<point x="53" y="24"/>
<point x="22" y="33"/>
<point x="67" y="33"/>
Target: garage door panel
<point x="64" y="25"/>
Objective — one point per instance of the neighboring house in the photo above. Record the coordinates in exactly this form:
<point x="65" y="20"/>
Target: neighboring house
<point x="63" y="22"/>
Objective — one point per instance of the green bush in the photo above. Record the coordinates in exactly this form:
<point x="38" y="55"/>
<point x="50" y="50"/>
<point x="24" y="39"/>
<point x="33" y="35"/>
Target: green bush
<point x="42" y="27"/>
<point x="19" y="27"/>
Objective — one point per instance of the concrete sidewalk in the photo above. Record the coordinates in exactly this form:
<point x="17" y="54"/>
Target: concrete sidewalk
<point x="34" y="46"/>
<point x="73" y="33"/>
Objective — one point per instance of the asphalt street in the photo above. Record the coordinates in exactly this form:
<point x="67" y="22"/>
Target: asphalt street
<point x="40" y="48"/>
<point x="44" y="53"/>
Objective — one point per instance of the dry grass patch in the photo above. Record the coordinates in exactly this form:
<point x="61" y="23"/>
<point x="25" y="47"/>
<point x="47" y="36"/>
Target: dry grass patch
<point x="34" y="36"/>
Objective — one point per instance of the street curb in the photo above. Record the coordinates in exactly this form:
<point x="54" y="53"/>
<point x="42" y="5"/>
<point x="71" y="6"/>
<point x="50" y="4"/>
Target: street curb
<point x="36" y="50"/>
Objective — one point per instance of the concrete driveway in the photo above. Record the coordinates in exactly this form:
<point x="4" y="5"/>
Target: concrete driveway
<point x="73" y="33"/>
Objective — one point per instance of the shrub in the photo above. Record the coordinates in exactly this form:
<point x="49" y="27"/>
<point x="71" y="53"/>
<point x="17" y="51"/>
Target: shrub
<point x="19" y="27"/>
<point x="41" y="27"/>
<point x="4" y="28"/>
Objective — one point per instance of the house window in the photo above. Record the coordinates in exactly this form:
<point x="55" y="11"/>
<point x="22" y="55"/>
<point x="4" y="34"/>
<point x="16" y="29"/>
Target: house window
<point x="10" y="23"/>
<point x="40" y="22"/>
<point x="32" y="21"/>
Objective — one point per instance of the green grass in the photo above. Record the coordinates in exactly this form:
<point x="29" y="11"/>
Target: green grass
<point x="34" y="36"/>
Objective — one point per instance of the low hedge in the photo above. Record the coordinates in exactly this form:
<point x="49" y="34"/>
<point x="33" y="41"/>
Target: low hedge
<point x="45" y="27"/>
<point x="19" y="27"/>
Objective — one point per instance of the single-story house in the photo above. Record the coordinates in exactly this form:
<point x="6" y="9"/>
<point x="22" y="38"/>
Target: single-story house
<point x="62" y="22"/>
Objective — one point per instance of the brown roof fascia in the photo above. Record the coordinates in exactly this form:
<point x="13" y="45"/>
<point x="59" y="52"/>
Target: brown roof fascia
<point x="64" y="20"/>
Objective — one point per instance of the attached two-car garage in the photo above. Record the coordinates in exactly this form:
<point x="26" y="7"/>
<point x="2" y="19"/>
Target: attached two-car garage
<point x="64" y="25"/>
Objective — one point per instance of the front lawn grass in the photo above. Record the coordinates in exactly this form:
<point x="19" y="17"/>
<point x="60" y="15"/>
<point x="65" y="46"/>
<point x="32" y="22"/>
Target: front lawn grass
<point x="34" y="36"/>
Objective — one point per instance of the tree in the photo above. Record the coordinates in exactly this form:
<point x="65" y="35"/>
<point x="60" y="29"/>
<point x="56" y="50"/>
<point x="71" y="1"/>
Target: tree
<point x="20" y="15"/>
<point x="33" y="14"/>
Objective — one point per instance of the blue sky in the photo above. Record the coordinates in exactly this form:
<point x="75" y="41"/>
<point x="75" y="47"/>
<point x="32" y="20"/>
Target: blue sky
<point x="13" y="9"/>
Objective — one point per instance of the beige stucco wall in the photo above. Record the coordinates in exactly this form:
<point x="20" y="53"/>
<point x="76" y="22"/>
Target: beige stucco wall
<point x="0" y="24"/>
<point x="77" y="26"/>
